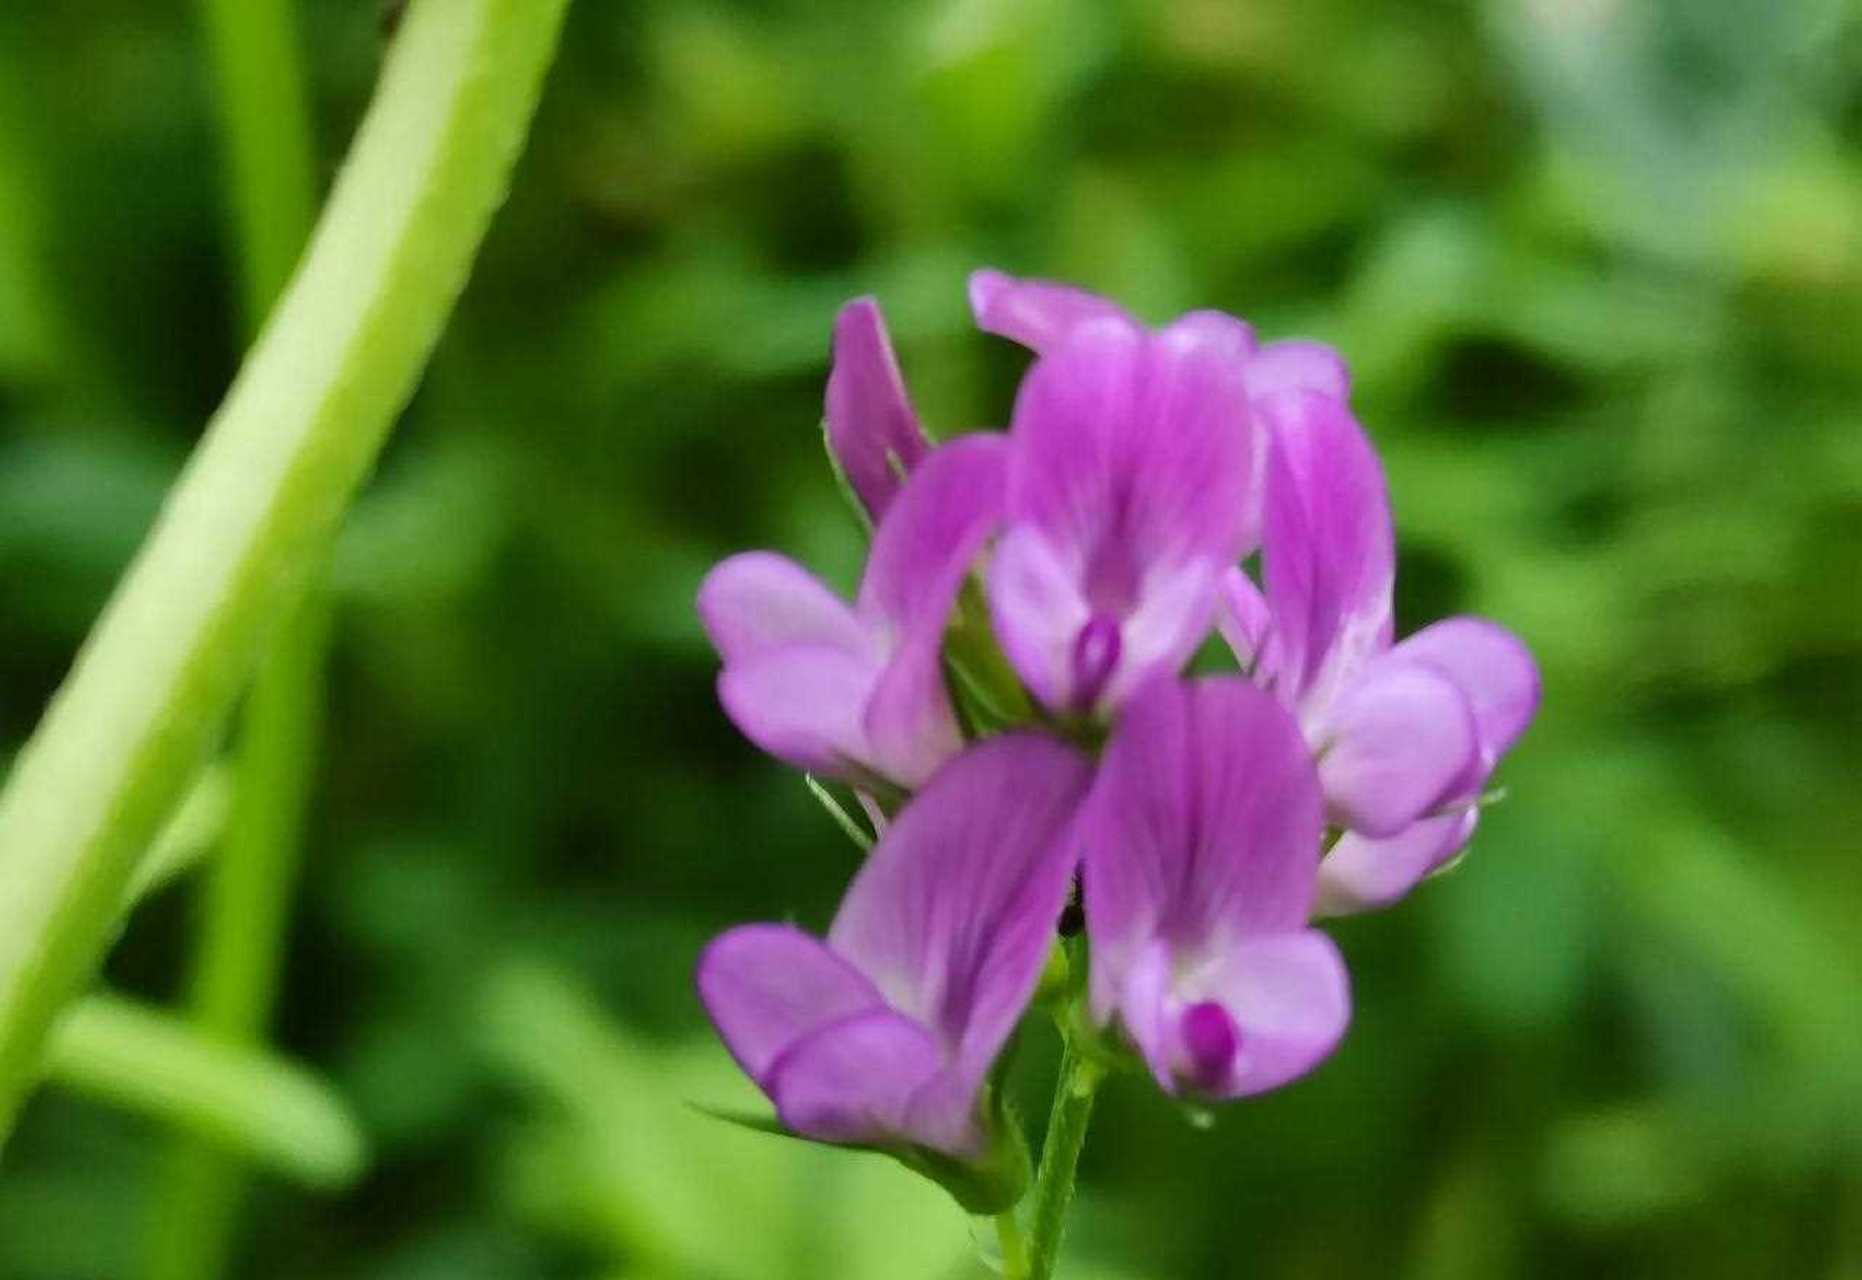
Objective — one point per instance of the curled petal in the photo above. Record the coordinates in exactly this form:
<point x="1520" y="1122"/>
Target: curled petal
<point x="1493" y="669"/>
<point x="1398" y="742"/>
<point x="953" y="912"/>
<point x="852" y="1081"/>
<point x="874" y="433"/>
<point x="1330" y="553"/>
<point x="1298" y="365"/>
<point x="1036" y="313"/>
<point x="756" y="602"/>
<point x="767" y="986"/>
<point x="805" y="704"/>
<point x="1362" y="874"/>
<point x="1287" y="998"/>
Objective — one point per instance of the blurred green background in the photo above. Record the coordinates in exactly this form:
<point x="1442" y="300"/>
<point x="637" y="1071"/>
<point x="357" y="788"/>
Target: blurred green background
<point x="1598" y="267"/>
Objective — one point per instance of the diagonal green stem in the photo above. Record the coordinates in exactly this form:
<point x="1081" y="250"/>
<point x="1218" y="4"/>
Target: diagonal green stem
<point x="1060" y="1158"/>
<point x="260" y="500"/>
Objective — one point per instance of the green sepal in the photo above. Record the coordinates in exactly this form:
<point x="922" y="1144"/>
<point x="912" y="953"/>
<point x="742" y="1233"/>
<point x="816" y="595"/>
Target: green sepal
<point x="987" y="1186"/>
<point x="844" y="485"/>
<point x="837" y="811"/>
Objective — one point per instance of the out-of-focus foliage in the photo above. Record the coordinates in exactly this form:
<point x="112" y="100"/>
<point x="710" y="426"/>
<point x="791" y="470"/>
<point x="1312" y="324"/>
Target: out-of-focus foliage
<point x="1598" y="265"/>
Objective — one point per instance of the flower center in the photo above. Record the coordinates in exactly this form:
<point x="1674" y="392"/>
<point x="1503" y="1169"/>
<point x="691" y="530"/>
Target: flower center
<point x="1211" y="1040"/>
<point x="1095" y="654"/>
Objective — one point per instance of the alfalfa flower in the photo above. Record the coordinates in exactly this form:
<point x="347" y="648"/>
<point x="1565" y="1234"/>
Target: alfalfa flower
<point x="857" y="692"/>
<point x="884" y="1035"/>
<point x="1201" y="846"/>
<point x="1406" y="735"/>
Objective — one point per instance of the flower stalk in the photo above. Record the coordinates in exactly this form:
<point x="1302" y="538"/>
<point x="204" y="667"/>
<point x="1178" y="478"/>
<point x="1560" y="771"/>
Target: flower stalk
<point x="260" y="500"/>
<point x="1074" y="1092"/>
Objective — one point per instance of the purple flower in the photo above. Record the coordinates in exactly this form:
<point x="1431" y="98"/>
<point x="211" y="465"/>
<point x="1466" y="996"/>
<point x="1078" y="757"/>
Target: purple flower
<point x="883" y="1035"/>
<point x="873" y="433"/>
<point x="858" y="693"/>
<point x="1128" y="476"/>
<point x="1406" y="735"/>
<point x="1201" y="843"/>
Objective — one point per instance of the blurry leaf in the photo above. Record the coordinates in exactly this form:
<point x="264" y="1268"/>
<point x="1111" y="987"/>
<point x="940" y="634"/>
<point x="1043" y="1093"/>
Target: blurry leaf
<point x="628" y="1163"/>
<point x="264" y="1107"/>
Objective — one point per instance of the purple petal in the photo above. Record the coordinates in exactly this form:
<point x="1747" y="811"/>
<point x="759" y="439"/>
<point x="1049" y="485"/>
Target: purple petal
<point x="1202" y="827"/>
<point x="852" y="1081"/>
<point x="1246" y="624"/>
<point x="908" y="724"/>
<point x="1298" y="365"/>
<point x="935" y="530"/>
<point x="1288" y="1000"/>
<point x="953" y="912"/>
<point x="767" y="986"/>
<point x="1175" y="610"/>
<point x="1362" y="874"/>
<point x="875" y="435"/>
<point x="805" y="704"/>
<point x="1329" y="555"/>
<point x="1493" y="669"/>
<point x="1131" y="448"/>
<point x="1399" y="741"/>
<point x="1036" y="313"/>
<point x="1039" y="613"/>
<point x="757" y="602"/>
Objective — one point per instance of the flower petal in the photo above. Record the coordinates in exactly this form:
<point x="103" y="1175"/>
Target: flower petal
<point x="908" y="723"/>
<point x="1246" y="624"/>
<point x="1131" y="448"/>
<point x="953" y="912"/>
<point x="1175" y="609"/>
<point x="1399" y="741"/>
<point x="805" y="704"/>
<point x="1036" y="313"/>
<point x="1288" y="997"/>
<point x="767" y="986"/>
<point x="852" y="1081"/>
<point x="1362" y="874"/>
<point x="874" y="433"/>
<point x="1298" y="365"/>
<point x="1038" y="612"/>
<point x="1202" y="827"/>
<point x="1330" y="553"/>
<point x="1493" y="669"/>
<point x="934" y="532"/>
<point x="757" y="601"/>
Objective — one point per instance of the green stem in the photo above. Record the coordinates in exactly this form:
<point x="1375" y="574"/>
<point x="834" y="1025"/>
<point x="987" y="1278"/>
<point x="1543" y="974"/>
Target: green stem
<point x="259" y="502"/>
<point x="1014" y="1247"/>
<point x="264" y="124"/>
<point x="1060" y="1158"/>
<point x="247" y="912"/>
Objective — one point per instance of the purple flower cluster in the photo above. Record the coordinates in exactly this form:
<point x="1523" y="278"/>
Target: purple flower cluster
<point x="1207" y="819"/>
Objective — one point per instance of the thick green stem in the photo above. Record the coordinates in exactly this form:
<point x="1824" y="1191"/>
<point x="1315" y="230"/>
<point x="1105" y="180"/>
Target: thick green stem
<point x="260" y="500"/>
<point x="1060" y="1159"/>
<point x="264" y="124"/>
